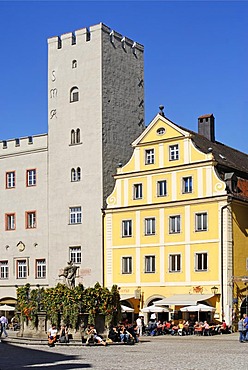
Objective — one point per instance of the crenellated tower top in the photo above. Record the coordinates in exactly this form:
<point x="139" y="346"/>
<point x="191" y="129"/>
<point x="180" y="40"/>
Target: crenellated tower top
<point x="84" y="35"/>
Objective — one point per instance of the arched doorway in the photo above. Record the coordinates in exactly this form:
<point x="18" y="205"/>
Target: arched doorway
<point x="244" y="307"/>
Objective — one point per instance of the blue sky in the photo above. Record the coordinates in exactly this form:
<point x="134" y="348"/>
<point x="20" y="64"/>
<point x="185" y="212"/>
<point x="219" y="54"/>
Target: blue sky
<point x="196" y="58"/>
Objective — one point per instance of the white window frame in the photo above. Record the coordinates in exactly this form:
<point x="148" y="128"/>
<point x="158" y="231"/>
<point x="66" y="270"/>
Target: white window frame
<point x="75" y="254"/>
<point x="137" y="191"/>
<point x="127" y="228"/>
<point x="175" y="224"/>
<point x="41" y="268"/>
<point x="149" y="156"/>
<point x="10" y="179"/>
<point x="75" y="215"/>
<point x="201" y="221"/>
<point x="150" y="226"/>
<point x="187" y="184"/>
<point x="175" y="262"/>
<point x="31" y="219"/>
<point x="31" y="177"/>
<point x="201" y="261"/>
<point x="10" y="221"/>
<point x="161" y="188"/>
<point x="150" y="264"/>
<point x="174" y="152"/>
<point x="22" y="269"/>
<point x="4" y="269"/>
<point x="126" y="265"/>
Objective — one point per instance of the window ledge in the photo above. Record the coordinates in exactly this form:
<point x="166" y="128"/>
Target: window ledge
<point x="75" y="144"/>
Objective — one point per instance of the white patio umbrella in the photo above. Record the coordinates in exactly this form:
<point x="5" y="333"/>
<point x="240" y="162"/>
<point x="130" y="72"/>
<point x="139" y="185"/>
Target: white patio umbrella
<point x="6" y="308"/>
<point x="154" y="308"/>
<point x="126" y="309"/>
<point x="198" y="308"/>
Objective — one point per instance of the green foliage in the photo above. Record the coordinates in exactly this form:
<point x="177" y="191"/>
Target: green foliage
<point x="65" y="303"/>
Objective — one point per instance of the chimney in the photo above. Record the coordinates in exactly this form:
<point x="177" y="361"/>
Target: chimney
<point x="206" y="126"/>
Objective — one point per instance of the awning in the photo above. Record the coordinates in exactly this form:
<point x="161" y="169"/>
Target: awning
<point x="8" y="301"/>
<point x="126" y="297"/>
<point x="154" y="308"/>
<point x="126" y="309"/>
<point x="183" y="299"/>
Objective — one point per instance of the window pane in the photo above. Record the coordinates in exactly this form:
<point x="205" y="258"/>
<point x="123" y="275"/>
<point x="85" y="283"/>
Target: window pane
<point x="127" y="265"/>
<point x="41" y="269"/>
<point x="75" y="215"/>
<point x="4" y="270"/>
<point x="137" y="191"/>
<point x="173" y="152"/>
<point x="149" y="156"/>
<point x="150" y="264"/>
<point x="75" y="254"/>
<point x="127" y="228"/>
<point x="162" y="191"/>
<point x="150" y="226"/>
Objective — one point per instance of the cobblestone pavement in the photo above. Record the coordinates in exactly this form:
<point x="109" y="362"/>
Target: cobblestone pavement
<point x="165" y="352"/>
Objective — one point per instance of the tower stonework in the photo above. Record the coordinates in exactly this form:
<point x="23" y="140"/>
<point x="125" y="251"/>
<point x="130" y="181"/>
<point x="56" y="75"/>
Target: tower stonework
<point x="95" y="110"/>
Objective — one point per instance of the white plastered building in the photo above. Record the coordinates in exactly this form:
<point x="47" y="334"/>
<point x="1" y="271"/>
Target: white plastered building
<point x="54" y="185"/>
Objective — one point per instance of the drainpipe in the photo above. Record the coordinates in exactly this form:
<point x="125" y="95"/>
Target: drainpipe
<point x="222" y="257"/>
<point x="103" y="247"/>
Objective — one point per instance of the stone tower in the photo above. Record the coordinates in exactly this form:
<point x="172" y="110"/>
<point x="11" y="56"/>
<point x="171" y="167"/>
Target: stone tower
<point x="95" y="110"/>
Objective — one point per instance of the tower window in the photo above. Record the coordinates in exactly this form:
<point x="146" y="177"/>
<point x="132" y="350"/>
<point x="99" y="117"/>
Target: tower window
<point x="74" y="63"/>
<point x="76" y="174"/>
<point x="74" y="94"/>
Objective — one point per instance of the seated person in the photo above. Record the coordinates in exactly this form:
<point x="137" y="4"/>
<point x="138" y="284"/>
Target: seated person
<point x="174" y="328"/>
<point x="152" y="327"/>
<point x="198" y="328"/>
<point x="93" y="336"/>
<point x="64" y="334"/>
<point x="124" y="334"/>
<point x="167" y="327"/>
<point x="52" y="335"/>
<point x="114" y="334"/>
<point x="223" y="328"/>
<point x="180" y="327"/>
<point x="133" y="330"/>
<point x="186" y="327"/>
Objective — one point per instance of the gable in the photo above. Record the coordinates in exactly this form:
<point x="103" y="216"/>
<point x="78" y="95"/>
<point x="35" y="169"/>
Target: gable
<point x="160" y="129"/>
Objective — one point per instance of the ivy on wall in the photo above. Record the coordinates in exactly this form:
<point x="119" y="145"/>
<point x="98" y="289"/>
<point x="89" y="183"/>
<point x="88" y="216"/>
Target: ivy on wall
<point x="63" y="303"/>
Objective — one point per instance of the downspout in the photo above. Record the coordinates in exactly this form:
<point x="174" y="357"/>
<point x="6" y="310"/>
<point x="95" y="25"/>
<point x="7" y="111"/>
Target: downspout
<point x="222" y="257"/>
<point x="103" y="247"/>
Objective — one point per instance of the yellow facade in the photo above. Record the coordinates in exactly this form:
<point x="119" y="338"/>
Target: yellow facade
<point x="165" y="223"/>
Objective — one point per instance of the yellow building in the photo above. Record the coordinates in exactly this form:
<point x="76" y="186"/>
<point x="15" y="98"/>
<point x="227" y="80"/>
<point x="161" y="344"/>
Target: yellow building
<point x="176" y="222"/>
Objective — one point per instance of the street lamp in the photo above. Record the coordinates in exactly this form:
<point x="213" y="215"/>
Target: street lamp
<point x="214" y="290"/>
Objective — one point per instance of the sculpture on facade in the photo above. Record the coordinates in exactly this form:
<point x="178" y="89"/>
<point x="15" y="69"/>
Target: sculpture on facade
<point x="69" y="274"/>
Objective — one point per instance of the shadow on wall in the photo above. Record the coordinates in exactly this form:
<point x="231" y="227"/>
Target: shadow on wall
<point x="241" y="220"/>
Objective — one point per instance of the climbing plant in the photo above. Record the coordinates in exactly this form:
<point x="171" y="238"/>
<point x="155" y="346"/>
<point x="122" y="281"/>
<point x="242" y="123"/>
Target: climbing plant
<point x="68" y="304"/>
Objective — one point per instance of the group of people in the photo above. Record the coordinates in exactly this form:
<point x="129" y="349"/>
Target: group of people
<point x="243" y="328"/>
<point x="125" y="332"/>
<point x="54" y="335"/>
<point x="184" y="327"/>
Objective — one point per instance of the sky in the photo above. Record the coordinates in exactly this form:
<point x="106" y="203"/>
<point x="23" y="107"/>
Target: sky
<point x="196" y="59"/>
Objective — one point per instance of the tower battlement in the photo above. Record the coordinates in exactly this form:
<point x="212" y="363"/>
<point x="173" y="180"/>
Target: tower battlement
<point x="84" y="35"/>
<point x="24" y="144"/>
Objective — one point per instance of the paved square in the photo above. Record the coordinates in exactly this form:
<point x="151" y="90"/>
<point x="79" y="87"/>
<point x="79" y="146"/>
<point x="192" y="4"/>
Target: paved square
<point x="165" y="352"/>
